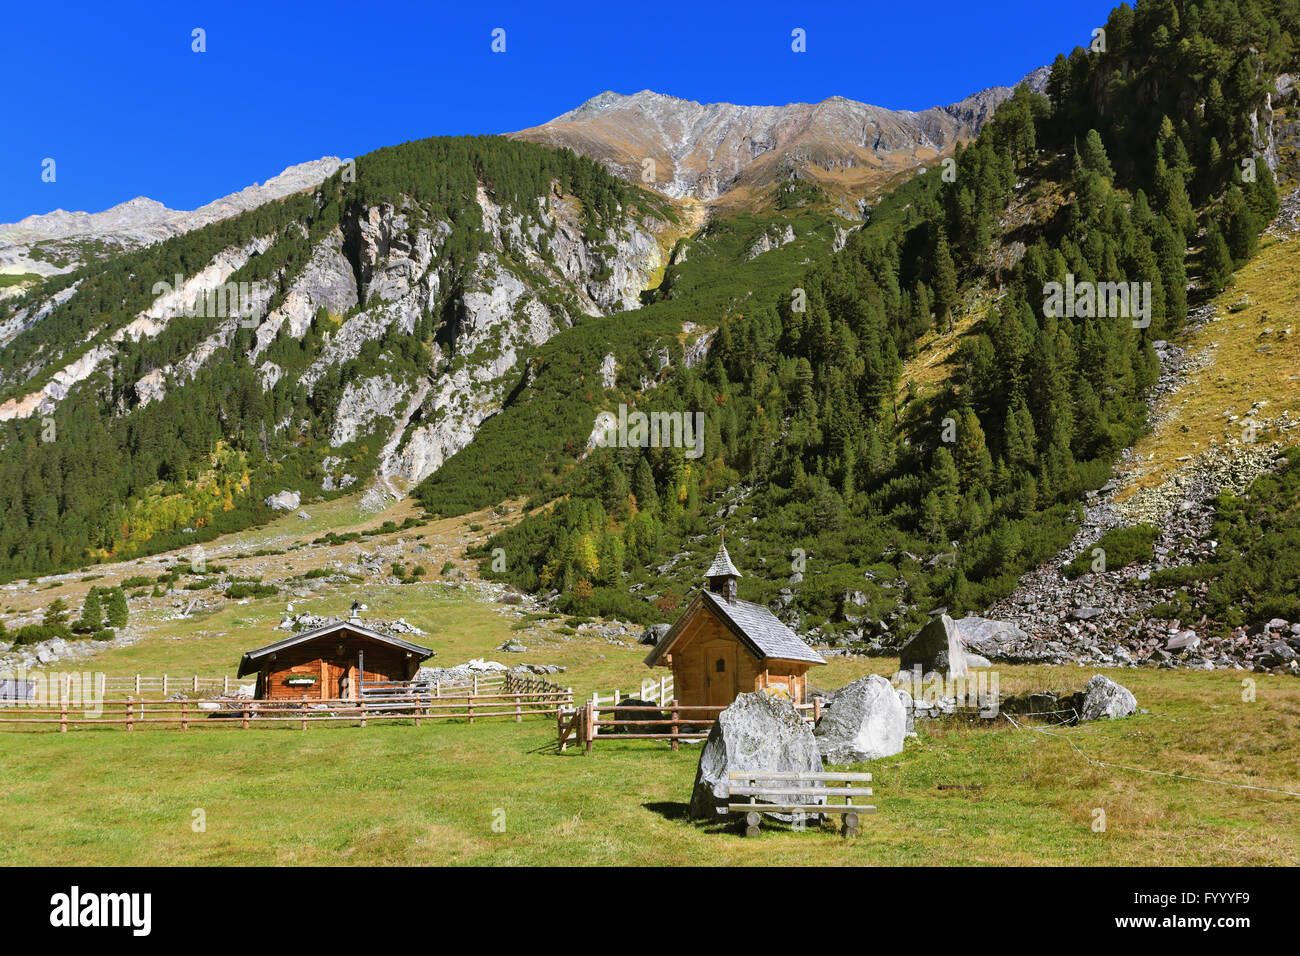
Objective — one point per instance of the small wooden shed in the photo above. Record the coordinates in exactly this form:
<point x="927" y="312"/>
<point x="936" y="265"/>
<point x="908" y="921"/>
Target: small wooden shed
<point x="330" y="662"/>
<point x="722" y="646"/>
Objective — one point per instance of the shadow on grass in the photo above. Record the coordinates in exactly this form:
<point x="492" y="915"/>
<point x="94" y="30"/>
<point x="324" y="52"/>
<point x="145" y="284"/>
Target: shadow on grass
<point x="734" y="824"/>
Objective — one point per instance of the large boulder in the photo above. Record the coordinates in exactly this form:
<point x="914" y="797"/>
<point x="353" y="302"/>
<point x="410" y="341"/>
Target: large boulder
<point x="654" y="633"/>
<point x="986" y="636"/>
<point x="1104" y="698"/>
<point x="759" y="731"/>
<point x="621" y="714"/>
<point x="909" y="711"/>
<point x="865" y="721"/>
<point x="935" y="647"/>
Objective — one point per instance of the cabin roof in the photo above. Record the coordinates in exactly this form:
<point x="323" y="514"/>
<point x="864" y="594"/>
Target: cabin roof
<point x="753" y="625"/>
<point x="248" y="663"/>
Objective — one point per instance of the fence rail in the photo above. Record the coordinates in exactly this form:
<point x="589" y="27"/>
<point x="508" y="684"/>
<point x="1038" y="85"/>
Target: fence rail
<point x="683" y="722"/>
<point x="164" y="684"/>
<point x="245" y="712"/>
<point x="653" y="690"/>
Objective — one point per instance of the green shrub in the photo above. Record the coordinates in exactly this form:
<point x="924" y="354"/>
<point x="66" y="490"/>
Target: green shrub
<point x="1122" y="547"/>
<point x="35" y="633"/>
<point x="246" y="589"/>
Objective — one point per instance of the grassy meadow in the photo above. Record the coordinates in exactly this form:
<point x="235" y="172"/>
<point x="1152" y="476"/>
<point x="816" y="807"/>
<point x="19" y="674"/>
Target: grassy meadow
<point x="397" y="794"/>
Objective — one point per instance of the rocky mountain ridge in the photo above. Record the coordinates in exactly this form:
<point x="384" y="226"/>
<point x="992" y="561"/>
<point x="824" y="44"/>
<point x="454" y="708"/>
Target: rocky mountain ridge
<point x="61" y="241"/>
<point x="706" y="151"/>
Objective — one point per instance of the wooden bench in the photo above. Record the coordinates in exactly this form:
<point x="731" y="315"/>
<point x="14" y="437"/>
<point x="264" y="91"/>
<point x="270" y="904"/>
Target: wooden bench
<point x="781" y="789"/>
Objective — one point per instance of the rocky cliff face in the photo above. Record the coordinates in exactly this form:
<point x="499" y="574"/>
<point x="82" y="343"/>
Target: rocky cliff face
<point x="385" y="269"/>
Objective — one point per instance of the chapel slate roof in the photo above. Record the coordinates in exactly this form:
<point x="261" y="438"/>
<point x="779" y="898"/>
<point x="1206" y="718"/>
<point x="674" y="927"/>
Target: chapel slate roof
<point x="722" y="565"/>
<point x="752" y="624"/>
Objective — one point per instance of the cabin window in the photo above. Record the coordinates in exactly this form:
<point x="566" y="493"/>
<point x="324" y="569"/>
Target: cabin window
<point x="721" y="666"/>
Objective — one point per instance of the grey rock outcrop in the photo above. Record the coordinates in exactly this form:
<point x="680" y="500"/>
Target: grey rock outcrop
<point x="759" y="731"/>
<point x="865" y="721"/>
<point x="284" y="501"/>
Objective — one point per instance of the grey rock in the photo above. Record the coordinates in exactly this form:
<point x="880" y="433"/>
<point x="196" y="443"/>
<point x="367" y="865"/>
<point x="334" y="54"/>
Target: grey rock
<point x="654" y="633"/>
<point x="865" y="721"/>
<point x="909" y="707"/>
<point x="759" y="731"/>
<point x="1183" y="641"/>
<point x="284" y="501"/>
<point x="987" y="636"/>
<point x="935" y="647"/>
<point x="1105" y="698"/>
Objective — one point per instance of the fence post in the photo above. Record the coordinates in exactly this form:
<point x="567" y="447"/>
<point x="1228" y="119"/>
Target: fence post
<point x="225" y="684"/>
<point x="677" y="715"/>
<point x="471" y="700"/>
<point x="63" y="716"/>
<point x="518" y="704"/>
<point x="817" y="709"/>
<point x="164" y="685"/>
<point x="589" y="726"/>
<point x="137" y="685"/>
<point x="663" y="690"/>
<point x="130" y="714"/>
<point x="196" y="684"/>
<point x="103" y="685"/>
<point x="185" y="721"/>
<point x="244" y="725"/>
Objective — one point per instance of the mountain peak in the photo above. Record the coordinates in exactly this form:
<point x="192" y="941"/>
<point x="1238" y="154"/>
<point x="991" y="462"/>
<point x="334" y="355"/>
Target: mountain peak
<point x="707" y="150"/>
<point x="142" y="221"/>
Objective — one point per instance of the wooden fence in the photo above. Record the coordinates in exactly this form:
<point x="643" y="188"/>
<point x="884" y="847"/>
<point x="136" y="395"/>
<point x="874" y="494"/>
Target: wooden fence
<point x="140" y="684"/>
<point x="183" y="712"/>
<point x="654" y="691"/>
<point x="673" y="722"/>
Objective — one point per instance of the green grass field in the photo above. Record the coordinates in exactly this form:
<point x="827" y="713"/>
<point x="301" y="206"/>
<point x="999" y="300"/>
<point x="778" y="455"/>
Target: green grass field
<point x="397" y="794"/>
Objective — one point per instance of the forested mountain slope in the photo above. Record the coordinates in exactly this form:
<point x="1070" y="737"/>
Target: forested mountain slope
<point x="366" y="326"/>
<point x="858" y="502"/>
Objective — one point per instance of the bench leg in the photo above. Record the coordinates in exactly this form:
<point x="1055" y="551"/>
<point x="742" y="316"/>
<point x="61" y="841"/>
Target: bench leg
<point x="850" y="825"/>
<point x="752" y="821"/>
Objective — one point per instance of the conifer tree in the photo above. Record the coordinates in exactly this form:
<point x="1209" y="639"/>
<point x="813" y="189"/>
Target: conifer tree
<point x="945" y="281"/>
<point x="117" y="610"/>
<point x="1217" y="260"/>
<point x="1094" y="158"/>
<point x="92" y="613"/>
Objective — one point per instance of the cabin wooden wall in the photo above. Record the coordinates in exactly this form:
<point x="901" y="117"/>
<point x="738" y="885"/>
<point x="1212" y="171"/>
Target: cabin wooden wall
<point x="321" y="660"/>
<point x="695" y="655"/>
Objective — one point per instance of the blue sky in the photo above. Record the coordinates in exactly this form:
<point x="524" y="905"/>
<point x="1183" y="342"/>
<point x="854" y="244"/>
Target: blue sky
<point x="114" y="94"/>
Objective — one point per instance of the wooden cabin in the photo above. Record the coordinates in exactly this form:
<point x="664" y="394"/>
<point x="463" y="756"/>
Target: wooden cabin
<point x="330" y="662"/>
<point x="722" y="646"/>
